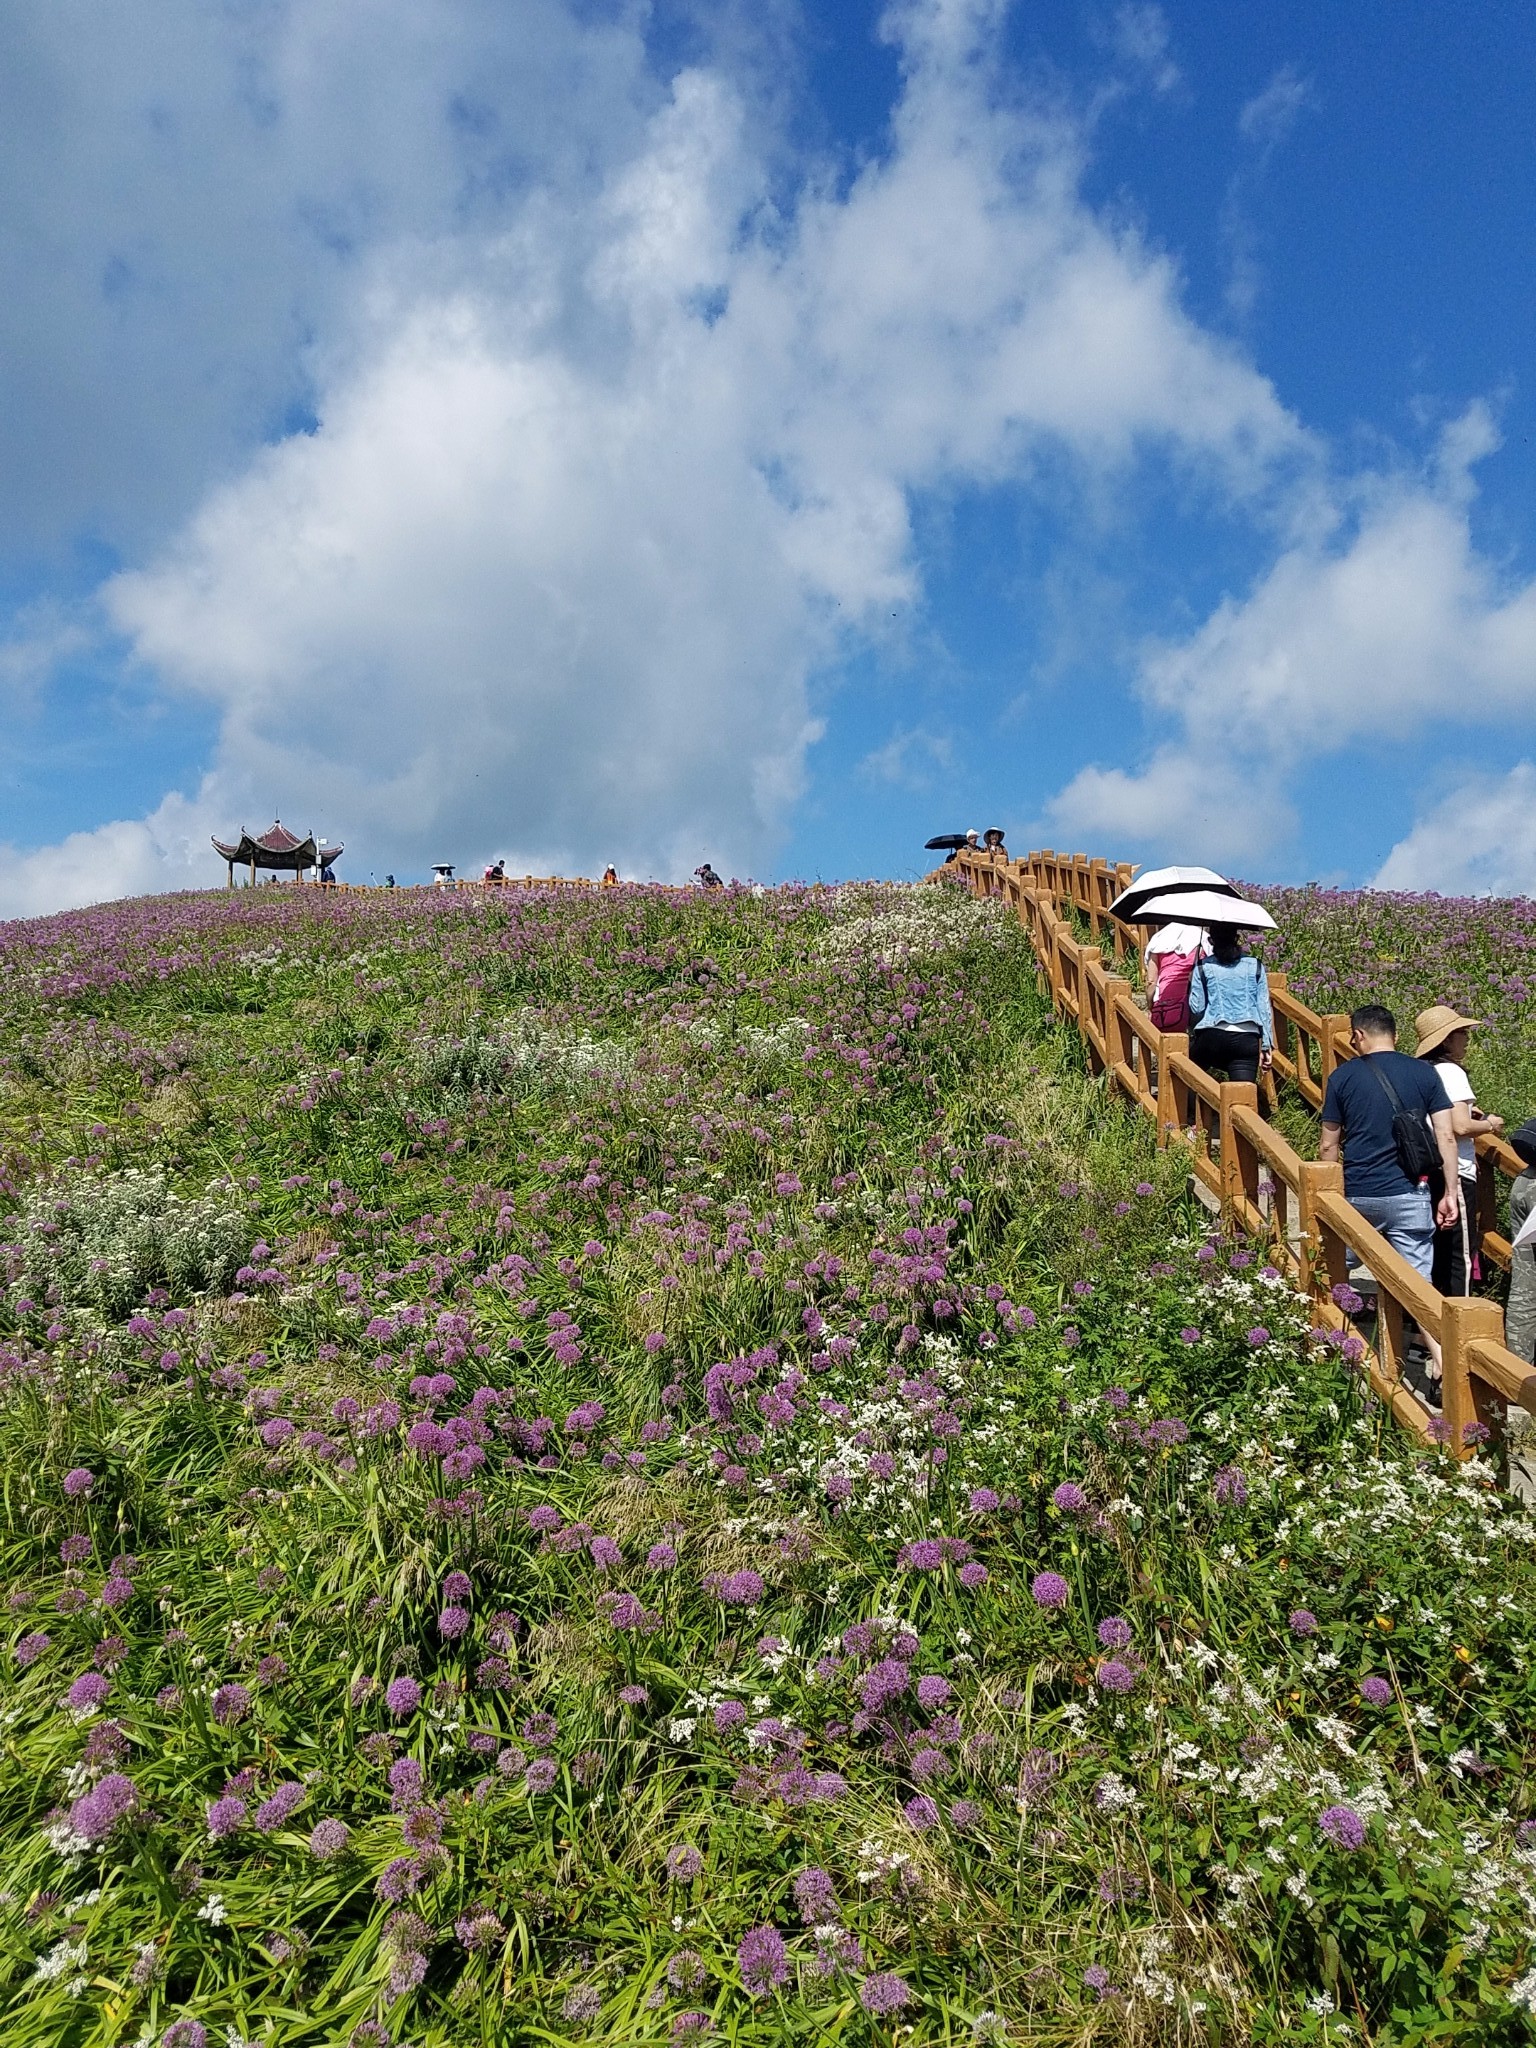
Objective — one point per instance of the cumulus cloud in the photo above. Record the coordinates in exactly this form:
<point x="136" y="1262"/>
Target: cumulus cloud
<point x="1384" y="620"/>
<point x="1479" y="840"/>
<point x="909" y="759"/>
<point x="589" y="500"/>
<point x="1207" y="807"/>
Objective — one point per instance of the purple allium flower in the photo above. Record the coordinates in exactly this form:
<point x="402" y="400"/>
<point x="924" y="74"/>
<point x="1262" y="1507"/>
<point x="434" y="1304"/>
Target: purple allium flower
<point x="633" y="1695"/>
<point x="884" y="1683"/>
<point x="478" y="1930"/>
<point x="184" y="2034"/>
<point x="1050" y="1590"/>
<point x="926" y="1555"/>
<point x="728" y="1715"/>
<point x="116" y="1592"/>
<point x="1303" y="1622"/>
<point x="328" y="1838"/>
<point x="276" y="1432"/>
<point x="661" y="1557"/>
<point x="88" y="1693"/>
<point x="75" y="1549"/>
<point x="964" y="1814"/>
<point x="541" y="1774"/>
<point x="1113" y="1676"/>
<point x="544" y="1520"/>
<point x="1375" y="1692"/>
<point x="983" y="1500"/>
<point x="1258" y="1336"/>
<point x="973" y="1575"/>
<point x="1097" y="1979"/>
<point x="761" y="1958"/>
<point x="1114" y="1632"/>
<point x="1189" y="1336"/>
<point x="272" y="1812"/>
<point x="1343" y="1827"/>
<point x="921" y="1812"/>
<point x="605" y="1553"/>
<point x="885" y="1992"/>
<point x="1231" y="1487"/>
<point x="94" y="1815"/>
<point x="399" y="1880"/>
<point x="402" y="1696"/>
<point x="539" y="1730"/>
<point x="684" y="1863"/>
<point x="741" y="1589"/>
<point x="685" y="1972"/>
<point x="1070" y="1498"/>
<point x="932" y="1692"/>
<point x="405" y="1781"/>
<point x="231" y="1703"/>
<point x="30" y="1648"/>
<point x="1344" y="1296"/>
<point x="452" y="1623"/>
<point x="225" y="1815"/>
<point x="691" y="2026"/>
<point x="816" y="1897"/>
<point x="78" y="1482"/>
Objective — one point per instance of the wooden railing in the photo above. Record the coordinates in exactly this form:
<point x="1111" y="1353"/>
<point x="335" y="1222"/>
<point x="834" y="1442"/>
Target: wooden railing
<point x="1262" y="1185"/>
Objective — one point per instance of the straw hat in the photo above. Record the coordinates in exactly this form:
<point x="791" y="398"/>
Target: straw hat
<point x="1436" y="1025"/>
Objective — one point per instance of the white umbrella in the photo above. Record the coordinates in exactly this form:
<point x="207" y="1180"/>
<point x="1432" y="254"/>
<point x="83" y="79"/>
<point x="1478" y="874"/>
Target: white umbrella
<point x="1209" y="906"/>
<point x="1162" y="881"/>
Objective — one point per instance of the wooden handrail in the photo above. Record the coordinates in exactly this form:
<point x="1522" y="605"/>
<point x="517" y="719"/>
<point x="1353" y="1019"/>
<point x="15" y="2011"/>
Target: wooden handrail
<point x="1479" y="1372"/>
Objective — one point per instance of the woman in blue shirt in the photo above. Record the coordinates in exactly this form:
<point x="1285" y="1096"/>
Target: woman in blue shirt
<point x="1229" y="1008"/>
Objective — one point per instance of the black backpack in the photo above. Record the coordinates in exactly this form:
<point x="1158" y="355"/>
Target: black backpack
<point x="1417" y="1153"/>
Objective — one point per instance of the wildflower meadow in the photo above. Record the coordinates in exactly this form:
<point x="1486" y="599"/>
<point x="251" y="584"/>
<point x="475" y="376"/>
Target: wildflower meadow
<point x="633" y="1467"/>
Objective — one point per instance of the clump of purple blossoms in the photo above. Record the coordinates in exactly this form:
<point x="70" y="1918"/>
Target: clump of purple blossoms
<point x="885" y="1992"/>
<point x="1303" y="1622"/>
<point x="1231" y="1487"/>
<point x="1050" y="1590"/>
<point x="452" y="1623"/>
<point x="88" y="1693"/>
<point x="684" y="1863"/>
<point x="761" y="1957"/>
<point x="185" y="2034"/>
<point x="225" y="1815"/>
<point x="1375" y="1692"/>
<point x="1114" y="1676"/>
<point x="271" y="1813"/>
<point x="741" y="1589"/>
<point x="402" y="1696"/>
<point x="1070" y="1498"/>
<point x="328" y="1838"/>
<point x="1342" y="1826"/>
<point x="30" y="1648"/>
<point x="816" y="1897"/>
<point x="97" y="1812"/>
<point x="78" y="1482"/>
<point x="1114" y="1632"/>
<point x="231" y="1703"/>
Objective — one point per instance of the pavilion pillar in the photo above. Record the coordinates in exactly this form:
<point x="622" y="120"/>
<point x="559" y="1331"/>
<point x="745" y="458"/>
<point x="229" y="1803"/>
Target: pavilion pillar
<point x="253" y="870"/>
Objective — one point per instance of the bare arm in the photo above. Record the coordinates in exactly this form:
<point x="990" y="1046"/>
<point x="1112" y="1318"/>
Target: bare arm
<point x="1467" y="1120"/>
<point x="1448" y="1208"/>
<point x="1328" y="1144"/>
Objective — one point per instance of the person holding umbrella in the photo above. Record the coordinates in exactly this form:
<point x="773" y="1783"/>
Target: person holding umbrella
<point x="1229" y="1007"/>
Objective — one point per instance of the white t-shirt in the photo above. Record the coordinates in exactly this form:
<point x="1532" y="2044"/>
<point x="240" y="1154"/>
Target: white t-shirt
<point x="1459" y="1089"/>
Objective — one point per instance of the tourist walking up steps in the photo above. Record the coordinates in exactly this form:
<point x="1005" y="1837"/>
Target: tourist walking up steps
<point x="1229" y="1010"/>
<point x="1442" y="1040"/>
<point x="1371" y="1107"/>
<point x="1520" y="1315"/>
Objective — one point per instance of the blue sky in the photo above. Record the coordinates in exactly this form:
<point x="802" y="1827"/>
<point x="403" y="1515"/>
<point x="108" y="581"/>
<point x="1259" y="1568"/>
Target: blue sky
<point x="574" y="433"/>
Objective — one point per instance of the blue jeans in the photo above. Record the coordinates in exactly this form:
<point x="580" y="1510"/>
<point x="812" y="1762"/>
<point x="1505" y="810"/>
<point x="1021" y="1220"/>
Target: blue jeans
<point x="1407" y="1222"/>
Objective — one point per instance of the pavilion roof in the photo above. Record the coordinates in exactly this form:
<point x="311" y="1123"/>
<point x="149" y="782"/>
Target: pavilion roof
<point x="277" y="848"/>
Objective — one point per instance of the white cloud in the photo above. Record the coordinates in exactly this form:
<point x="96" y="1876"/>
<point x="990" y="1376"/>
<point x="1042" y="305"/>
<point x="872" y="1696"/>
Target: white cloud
<point x="592" y="496"/>
<point x="133" y="857"/>
<point x="909" y="759"/>
<point x="1478" y="840"/>
<point x="1268" y="118"/>
<point x="1387" y="624"/>
<point x="1207" y="808"/>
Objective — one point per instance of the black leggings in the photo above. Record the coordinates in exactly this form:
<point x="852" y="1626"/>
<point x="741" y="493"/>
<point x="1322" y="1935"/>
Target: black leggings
<point x="1233" y="1053"/>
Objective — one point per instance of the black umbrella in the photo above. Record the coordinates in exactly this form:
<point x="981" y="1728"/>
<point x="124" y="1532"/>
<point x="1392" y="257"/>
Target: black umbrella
<point x="945" y="842"/>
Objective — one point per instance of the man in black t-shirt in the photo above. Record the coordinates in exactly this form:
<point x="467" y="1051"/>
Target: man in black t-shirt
<point x="1358" y="1111"/>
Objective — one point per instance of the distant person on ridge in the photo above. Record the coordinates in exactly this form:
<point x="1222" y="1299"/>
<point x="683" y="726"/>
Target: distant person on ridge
<point x="1229" y="1009"/>
<point x="707" y="878"/>
<point x="610" y="876"/>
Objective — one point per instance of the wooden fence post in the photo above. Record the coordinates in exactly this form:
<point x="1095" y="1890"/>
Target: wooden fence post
<point x="1333" y="1025"/>
<point x="1461" y="1403"/>
<point x="1234" y="1094"/>
<point x="1317" y="1276"/>
<point x="1169" y="1044"/>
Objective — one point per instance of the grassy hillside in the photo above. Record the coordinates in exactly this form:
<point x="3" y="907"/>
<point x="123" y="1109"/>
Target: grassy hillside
<point x="648" y="1468"/>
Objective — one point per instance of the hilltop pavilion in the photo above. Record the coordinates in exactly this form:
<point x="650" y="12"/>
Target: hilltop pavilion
<point x="277" y="849"/>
